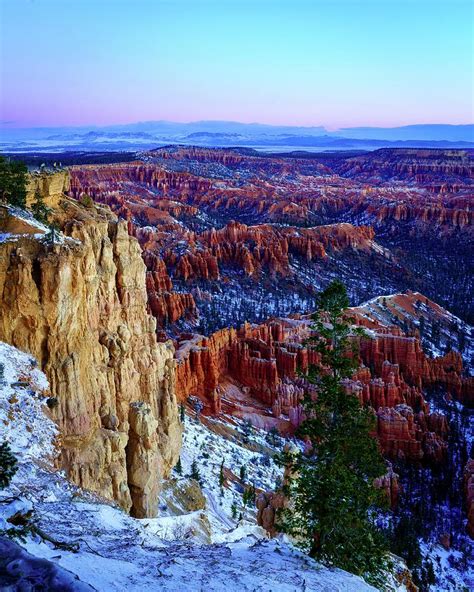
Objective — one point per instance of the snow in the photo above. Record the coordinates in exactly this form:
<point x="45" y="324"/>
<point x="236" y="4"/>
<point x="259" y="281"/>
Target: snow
<point x="209" y="448"/>
<point x="22" y="401"/>
<point x="449" y="579"/>
<point x="117" y="552"/>
<point x="28" y="218"/>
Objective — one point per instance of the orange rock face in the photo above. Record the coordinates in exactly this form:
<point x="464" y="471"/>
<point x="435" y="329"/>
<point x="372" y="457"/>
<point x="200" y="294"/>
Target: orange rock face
<point x="292" y="222"/>
<point x="264" y="360"/>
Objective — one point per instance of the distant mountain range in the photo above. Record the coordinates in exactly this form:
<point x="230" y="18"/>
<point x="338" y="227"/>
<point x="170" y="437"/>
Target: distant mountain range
<point x="150" y="134"/>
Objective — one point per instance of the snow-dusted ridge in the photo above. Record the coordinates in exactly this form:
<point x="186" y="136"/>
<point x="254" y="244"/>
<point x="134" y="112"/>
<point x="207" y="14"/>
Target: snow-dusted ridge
<point x="117" y="552"/>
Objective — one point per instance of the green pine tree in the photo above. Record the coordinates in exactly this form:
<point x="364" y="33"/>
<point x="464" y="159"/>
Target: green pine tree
<point x="8" y="465"/>
<point x="243" y="473"/>
<point x="38" y="207"/>
<point x="2" y="374"/>
<point x="13" y="181"/>
<point x="179" y="467"/>
<point x="331" y="490"/>
<point x="195" y="474"/>
<point x="53" y="235"/>
<point x="233" y="509"/>
<point x="248" y="497"/>
<point x="221" y="475"/>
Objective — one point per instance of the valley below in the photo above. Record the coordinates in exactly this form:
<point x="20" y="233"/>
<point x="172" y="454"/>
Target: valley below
<point x="154" y="358"/>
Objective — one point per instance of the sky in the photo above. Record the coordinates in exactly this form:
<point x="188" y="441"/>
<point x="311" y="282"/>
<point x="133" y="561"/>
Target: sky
<point x="337" y="63"/>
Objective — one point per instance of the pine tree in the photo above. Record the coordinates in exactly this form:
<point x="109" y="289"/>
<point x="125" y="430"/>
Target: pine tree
<point x="273" y="436"/>
<point x="331" y="490"/>
<point x="8" y="465"/>
<point x="243" y="473"/>
<point x="421" y="326"/>
<point x="195" y="474"/>
<point x="182" y="415"/>
<point x="2" y="374"/>
<point x="39" y="208"/>
<point x="248" y="496"/>
<point x="13" y="180"/>
<point x="221" y="475"/>
<point x="52" y="236"/>
<point x="179" y="467"/>
<point x="233" y="509"/>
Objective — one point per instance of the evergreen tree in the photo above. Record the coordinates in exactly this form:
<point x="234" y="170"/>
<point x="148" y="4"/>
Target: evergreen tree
<point x="39" y="208"/>
<point x="248" y="496"/>
<point x="233" y="509"/>
<point x="8" y="465"/>
<point x="179" y="467"/>
<point x="243" y="473"/>
<point x="2" y="374"/>
<point x="404" y="542"/>
<point x="422" y="325"/>
<point x="52" y="236"/>
<point x="195" y="474"/>
<point x="13" y="180"/>
<point x="182" y="414"/>
<point x="221" y="475"/>
<point x="461" y="340"/>
<point x="435" y="332"/>
<point x="331" y="486"/>
<point x="273" y="436"/>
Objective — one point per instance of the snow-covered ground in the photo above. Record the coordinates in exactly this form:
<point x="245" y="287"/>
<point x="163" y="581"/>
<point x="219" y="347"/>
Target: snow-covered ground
<point x="116" y="552"/>
<point x="452" y="332"/>
<point x="35" y="229"/>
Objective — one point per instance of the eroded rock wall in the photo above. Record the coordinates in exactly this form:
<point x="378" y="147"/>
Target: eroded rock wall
<point x="80" y="308"/>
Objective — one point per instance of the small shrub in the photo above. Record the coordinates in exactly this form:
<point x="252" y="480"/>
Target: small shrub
<point x="8" y="465"/>
<point x="52" y="402"/>
<point x="86" y="201"/>
<point x="178" y="467"/>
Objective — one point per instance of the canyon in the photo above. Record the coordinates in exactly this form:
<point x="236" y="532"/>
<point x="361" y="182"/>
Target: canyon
<point x="187" y="277"/>
<point x="219" y="220"/>
<point x="232" y="238"/>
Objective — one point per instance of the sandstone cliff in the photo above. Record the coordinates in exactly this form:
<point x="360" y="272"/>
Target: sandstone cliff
<point x="51" y="186"/>
<point x="80" y="307"/>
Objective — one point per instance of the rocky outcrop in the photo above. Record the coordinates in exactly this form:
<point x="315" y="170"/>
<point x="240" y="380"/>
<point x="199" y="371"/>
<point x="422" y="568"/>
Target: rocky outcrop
<point x="406" y="435"/>
<point x="221" y="221"/>
<point x="389" y="483"/>
<point x="143" y="460"/>
<point x="265" y="359"/>
<point x="254" y="248"/>
<point x="50" y="185"/>
<point x="423" y="166"/>
<point x="268" y="504"/>
<point x="79" y="306"/>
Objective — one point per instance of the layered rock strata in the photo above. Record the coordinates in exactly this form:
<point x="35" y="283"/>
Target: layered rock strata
<point x="80" y="307"/>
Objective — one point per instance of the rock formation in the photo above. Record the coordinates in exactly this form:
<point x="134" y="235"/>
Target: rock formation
<point x="51" y="186"/>
<point x="79" y="306"/>
<point x="218" y="220"/>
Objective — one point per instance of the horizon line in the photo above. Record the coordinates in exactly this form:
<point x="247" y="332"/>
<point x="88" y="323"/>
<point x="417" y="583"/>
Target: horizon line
<point x="11" y="125"/>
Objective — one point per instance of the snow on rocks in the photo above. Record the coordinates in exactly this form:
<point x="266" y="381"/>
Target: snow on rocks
<point x="23" y="392"/>
<point x="115" y="552"/>
<point x="213" y="445"/>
